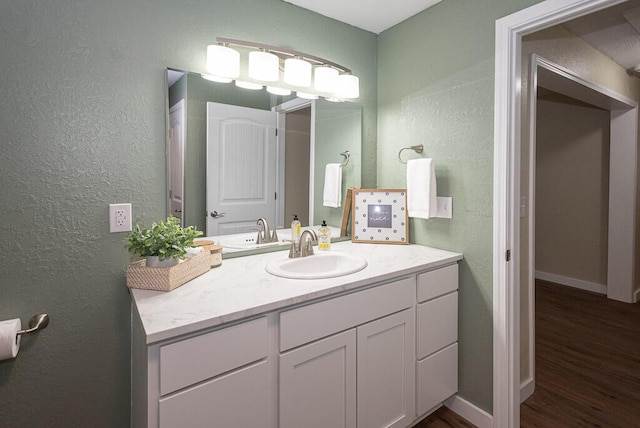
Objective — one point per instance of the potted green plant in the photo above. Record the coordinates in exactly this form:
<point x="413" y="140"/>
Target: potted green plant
<point x="164" y="243"/>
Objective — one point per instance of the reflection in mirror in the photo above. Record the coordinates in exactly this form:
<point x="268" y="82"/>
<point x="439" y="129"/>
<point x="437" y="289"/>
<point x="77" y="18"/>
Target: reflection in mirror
<point x="223" y="183"/>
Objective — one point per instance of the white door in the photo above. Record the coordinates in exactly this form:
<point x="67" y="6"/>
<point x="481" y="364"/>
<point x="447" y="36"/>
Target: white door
<point x="176" y="160"/>
<point x="241" y="168"/>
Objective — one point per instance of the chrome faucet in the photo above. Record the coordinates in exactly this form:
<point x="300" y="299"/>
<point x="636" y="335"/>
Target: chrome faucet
<point x="304" y="247"/>
<point x="266" y="235"/>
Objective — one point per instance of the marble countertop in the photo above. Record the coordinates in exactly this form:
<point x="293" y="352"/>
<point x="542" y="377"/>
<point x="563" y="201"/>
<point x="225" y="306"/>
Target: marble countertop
<point x="241" y="287"/>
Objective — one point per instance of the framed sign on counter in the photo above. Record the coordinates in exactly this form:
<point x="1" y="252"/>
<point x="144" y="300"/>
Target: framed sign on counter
<point x="380" y="216"/>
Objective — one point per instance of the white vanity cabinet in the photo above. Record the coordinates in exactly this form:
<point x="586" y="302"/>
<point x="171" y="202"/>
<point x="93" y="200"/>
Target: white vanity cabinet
<point x="358" y="370"/>
<point x="374" y="349"/>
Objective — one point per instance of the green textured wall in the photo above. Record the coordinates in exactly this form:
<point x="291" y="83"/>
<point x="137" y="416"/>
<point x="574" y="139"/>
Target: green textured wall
<point x="435" y="87"/>
<point x="83" y="125"/>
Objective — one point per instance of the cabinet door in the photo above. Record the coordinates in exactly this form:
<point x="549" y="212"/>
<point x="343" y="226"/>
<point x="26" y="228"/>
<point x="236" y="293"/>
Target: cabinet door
<point x="318" y="384"/>
<point x="386" y="371"/>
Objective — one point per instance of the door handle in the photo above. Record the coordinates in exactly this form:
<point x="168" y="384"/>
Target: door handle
<point x="216" y="214"/>
<point x="177" y="211"/>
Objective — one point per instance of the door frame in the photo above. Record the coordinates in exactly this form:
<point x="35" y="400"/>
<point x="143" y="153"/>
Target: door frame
<point x="282" y="110"/>
<point x="180" y="109"/>
<point x="506" y="191"/>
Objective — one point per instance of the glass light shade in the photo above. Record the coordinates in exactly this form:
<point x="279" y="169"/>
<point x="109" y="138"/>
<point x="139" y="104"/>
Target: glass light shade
<point x="297" y="72"/>
<point x="306" y="96"/>
<point x="278" y="91"/>
<point x="216" y="78"/>
<point x="222" y="61"/>
<point x="348" y="86"/>
<point x="248" y="85"/>
<point x="324" y="79"/>
<point x="264" y="66"/>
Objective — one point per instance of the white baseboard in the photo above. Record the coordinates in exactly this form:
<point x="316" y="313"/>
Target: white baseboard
<point x="526" y="389"/>
<point x="470" y="412"/>
<point x="572" y="282"/>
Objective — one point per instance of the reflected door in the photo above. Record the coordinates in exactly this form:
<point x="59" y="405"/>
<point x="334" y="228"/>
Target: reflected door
<point x="241" y="168"/>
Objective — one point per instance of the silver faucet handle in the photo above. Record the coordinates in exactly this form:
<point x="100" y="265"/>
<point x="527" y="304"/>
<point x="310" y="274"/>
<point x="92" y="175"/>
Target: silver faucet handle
<point x="293" y="250"/>
<point x="274" y="236"/>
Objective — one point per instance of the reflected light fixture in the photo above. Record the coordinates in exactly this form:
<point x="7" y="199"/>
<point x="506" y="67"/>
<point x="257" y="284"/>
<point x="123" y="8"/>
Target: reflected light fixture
<point x="278" y="91"/>
<point x="216" y="78"/>
<point x="248" y="85"/>
<point x="330" y="80"/>
<point x="307" y="96"/>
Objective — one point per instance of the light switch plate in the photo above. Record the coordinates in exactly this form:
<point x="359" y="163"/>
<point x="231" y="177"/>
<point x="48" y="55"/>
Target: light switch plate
<point x="119" y="218"/>
<point x="445" y="208"/>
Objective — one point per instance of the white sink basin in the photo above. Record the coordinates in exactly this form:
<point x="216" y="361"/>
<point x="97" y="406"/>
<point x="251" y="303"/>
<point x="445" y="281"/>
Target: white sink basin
<point x="318" y="266"/>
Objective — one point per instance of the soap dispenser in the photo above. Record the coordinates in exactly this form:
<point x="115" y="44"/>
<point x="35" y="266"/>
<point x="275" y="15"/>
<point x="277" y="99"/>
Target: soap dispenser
<point x="324" y="237"/>
<point x="295" y="229"/>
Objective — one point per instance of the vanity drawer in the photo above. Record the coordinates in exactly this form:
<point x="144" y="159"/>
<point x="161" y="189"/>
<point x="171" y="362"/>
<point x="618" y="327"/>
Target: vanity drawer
<point x="437" y="282"/>
<point x="437" y="378"/>
<point x="437" y="324"/>
<point x="236" y="400"/>
<point x="211" y="354"/>
<point x="318" y="320"/>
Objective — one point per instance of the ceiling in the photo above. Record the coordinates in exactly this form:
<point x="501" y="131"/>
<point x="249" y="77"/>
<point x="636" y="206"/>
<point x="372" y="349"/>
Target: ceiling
<point x="371" y="15"/>
<point x="614" y="31"/>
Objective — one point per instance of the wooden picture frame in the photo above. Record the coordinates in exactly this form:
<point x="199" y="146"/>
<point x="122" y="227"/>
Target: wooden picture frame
<point x="379" y="216"/>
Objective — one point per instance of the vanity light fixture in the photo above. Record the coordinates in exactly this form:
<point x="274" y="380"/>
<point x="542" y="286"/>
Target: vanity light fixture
<point x="348" y="86"/>
<point x="325" y="78"/>
<point x="264" y="66"/>
<point x="223" y="62"/>
<point x="297" y="72"/>
<point x="330" y="80"/>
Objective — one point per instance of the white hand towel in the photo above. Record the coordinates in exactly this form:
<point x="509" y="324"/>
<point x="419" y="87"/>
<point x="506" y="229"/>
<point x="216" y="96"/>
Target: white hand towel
<point x="332" y="195"/>
<point x="421" y="188"/>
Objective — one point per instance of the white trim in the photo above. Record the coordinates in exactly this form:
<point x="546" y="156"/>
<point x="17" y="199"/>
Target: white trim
<point x="469" y="411"/>
<point x="506" y="191"/>
<point x="282" y="109"/>
<point x="527" y="389"/>
<point x="572" y="282"/>
<point x="636" y="295"/>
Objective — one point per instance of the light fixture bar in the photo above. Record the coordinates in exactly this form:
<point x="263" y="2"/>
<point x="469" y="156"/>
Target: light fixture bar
<point x="282" y="52"/>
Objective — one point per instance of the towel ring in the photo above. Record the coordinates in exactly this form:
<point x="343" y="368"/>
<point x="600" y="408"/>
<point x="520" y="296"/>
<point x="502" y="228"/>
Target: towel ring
<point x="347" y="155"/>
<point x="418" y="149"/>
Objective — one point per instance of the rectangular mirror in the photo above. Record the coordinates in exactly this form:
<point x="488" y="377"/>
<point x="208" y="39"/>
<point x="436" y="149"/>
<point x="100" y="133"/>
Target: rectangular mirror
<point x="227" y="167"/>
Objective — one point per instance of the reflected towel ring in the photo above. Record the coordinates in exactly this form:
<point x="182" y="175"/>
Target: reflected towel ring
<point x="418" y="149"/>
<point x="347" y="155"/>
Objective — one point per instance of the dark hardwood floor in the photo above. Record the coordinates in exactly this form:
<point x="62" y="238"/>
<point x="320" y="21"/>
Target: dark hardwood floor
<point x="587" y="363"/>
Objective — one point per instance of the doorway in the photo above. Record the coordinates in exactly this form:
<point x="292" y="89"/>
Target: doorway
<point x="598" y="177"/>
<point x="507" y="135"/>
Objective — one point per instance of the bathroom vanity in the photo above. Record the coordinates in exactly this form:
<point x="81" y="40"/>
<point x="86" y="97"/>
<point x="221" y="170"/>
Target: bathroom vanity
<point x="239" y="347"/>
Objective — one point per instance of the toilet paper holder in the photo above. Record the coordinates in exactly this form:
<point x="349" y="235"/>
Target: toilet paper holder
<point x="36" y="323"/>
